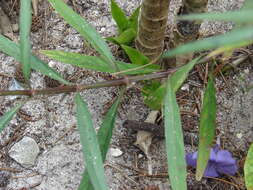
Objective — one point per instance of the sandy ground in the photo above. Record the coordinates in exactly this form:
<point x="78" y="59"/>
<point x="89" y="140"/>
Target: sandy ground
<point x="59" y="164"/>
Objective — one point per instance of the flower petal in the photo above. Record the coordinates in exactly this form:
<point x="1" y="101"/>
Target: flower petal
<point x="191" y="159"/>
<point x="225" y="163"/>
<point x="225" y="157"/>
<point x="211" y="170"/>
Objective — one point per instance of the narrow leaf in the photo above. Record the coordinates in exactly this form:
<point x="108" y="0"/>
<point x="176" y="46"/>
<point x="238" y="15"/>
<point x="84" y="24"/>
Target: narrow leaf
<point x="119" y="16"/>
<point x="125" y="37"/>
<point x="133" y="19"/>
<point x="6" y="118"/>
<point x="13" y="49"/>
<point x="230" y="38"/>
<point x="25" y="27"/>
<point x="174" y="140"/>
<point x="155" y="98"/>
<point x="84" y="28"/>
<point x="135" y="56"/>
<point x="248" y="169"/>
<point x="94" y="63"/>
<point x="207" y="128"/>
<point x="104" y="138"/>
<point x="90" y="146"/>
<point x="239" y="17"/>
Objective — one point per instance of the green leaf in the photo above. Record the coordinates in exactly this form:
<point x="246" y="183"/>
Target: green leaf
<point x="155" y="98"/>
<point x="13" y="50"/>
<point x="94" y="63"/>
<point x="207" y="128"/>
<point x="104" y="138"/>
<point x="84" y="28"/>
<point x="133" y="19"/>
<point x="248" y="4"/>
<point x="248" y="169"/>
<point x="135" y="56"/>
<point x="90" y="146"/>
<point x="119" y="16"/>
<point x="174" y="141"/>
<point x="125" y="37"/>
<point x="25" y="46"/>
<point x="6" y="118"/>
<point x="230" y="38"/>
<point x="239" y="17"/>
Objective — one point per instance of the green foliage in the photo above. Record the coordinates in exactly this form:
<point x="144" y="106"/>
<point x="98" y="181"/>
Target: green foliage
<point x="248" y="169"/>
<point x="135" y="56"/>
<point x="127" y="27"/>
<point x="174" y="140"/>
<point x="84" y="28"/>
<point x="207" y="128"/>
<point x="104" y="138"/>
<point x="90" y="146"/>
<point x="239" y="17"/>
<point x="6" y="118"/>
<point x="154" y="97"/>
<point x="96" y="63"/>
<point x="13" y="49"/>
<point x="25" y="46"/>
<point x="119" y="16"/>
<point x="125" y="37"/>
<point x="239" y="36"/>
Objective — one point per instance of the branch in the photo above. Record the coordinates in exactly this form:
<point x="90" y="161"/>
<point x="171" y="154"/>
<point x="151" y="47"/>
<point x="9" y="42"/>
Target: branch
<point x="75" y="88"/>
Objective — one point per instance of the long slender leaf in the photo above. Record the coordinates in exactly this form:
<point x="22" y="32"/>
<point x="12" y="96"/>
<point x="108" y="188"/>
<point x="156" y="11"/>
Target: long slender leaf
<point x="94" y="63"/>
<point x="207" y="128"/>
<point x="25" y="27"/>
<point x="248" y="169"/>
<point x="174" y="140"/>
<point x="135" y="56"/>
<point x="155" y="97"/>
<point x="104" y="138"/>
<point x="133" y="19"/>
<point x="84" y="28"/>
<point x="119" y="16"/>
<point x="13" y="49"/>
<point x="239" y="17"/>
<point x="6" y="118"/>
<point x="90" y="146"/>
<point x="230" y="38"/>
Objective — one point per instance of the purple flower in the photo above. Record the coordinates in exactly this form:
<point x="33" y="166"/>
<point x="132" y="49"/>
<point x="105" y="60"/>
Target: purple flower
<point x="220" y="162"/>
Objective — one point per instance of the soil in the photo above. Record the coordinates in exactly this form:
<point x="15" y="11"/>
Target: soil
<point x="51" y="120"/>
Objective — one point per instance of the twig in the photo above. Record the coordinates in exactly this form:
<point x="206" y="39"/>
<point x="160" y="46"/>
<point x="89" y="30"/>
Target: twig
<point x="76" y="88"/>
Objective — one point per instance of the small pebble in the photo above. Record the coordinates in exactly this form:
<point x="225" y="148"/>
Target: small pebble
<point x="115" y="152"/>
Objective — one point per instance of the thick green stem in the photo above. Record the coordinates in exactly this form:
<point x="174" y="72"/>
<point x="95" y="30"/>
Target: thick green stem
<point x="151" y="29"/>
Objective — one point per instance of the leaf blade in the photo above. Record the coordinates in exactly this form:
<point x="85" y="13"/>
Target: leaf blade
<point x="135" y="56"/>
<point x="25" y="46"/>
<point x="84" y="28"/>
<point x="207" y="128"/>
<point x="119" y="17"/>
<point x="174" y="140"/>
<point x="93" y="63"/>
<point x="12" y="49"/>
<point x="230" y="38"/>
<point x="104" y="138"/>
<point x="248" y="169"/>
<point x="155" y="98"/>
<point x="239" y="17"/>
<point x="90" y="145"/>
<point x="6" y="118"/>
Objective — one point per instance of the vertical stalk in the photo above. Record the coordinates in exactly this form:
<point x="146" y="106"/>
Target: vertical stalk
<point x="151" y="29"/>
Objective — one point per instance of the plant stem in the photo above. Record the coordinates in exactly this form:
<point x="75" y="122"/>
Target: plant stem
<point x="127" y="80"/>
